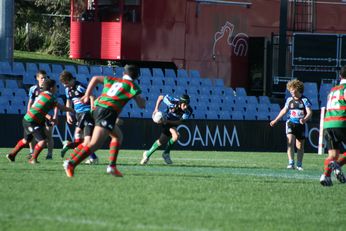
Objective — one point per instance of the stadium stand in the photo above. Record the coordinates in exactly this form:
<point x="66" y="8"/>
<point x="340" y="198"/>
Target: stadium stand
<point x="57" y="68"/>
<point x="182" y="73"/>
<point x="170" y="73"/>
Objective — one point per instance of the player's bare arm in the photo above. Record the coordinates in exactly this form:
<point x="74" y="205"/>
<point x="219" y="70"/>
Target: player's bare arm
<point x="307" y="116"/>
<point x="92" y="84"/>
<point x="140" y="101"/>
<point x="281" y="114"/>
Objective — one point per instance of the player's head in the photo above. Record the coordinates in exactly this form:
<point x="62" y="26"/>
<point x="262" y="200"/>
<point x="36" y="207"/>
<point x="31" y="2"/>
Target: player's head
<point x="49" y="85"/>
<point x="41" y="76"/>
<point x="132" y="71"/>
<point x="343" y="72"/>
<point x="66" y="78"/>
<point x="295" y="87"/>
<point x="184" y="101"/>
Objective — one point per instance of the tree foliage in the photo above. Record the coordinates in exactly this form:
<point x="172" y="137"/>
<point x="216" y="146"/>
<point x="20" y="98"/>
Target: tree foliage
<point x="42" y="25"/>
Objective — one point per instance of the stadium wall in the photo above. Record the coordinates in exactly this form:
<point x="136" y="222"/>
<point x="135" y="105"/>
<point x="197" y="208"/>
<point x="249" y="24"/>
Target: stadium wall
<point x="195" y="134"/>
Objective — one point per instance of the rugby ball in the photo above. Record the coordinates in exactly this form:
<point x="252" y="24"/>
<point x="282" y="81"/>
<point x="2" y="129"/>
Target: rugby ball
<point x="158" y="117"/>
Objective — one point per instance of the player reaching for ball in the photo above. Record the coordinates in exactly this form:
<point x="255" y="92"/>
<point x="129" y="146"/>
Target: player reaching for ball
<point x="177" y="111"/>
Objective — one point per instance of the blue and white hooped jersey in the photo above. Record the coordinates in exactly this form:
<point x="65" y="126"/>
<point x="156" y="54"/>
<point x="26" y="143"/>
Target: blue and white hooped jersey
<point x="297" y="108"/>
<point x="173" y="111"/>
<point x="74" y="94"/>
<point x="34" y="91"/>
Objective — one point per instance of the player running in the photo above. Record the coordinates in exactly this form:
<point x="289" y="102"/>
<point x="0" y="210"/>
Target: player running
<point x="74" y="90"/>
<point x="177" y="111"/>
<point x="335" y="131"/>
<point x="115" y="94"/>
<point x="34" y="121"/>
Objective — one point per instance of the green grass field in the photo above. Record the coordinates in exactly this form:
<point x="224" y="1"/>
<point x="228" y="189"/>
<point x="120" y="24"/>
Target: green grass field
<point x="206" y="191"/>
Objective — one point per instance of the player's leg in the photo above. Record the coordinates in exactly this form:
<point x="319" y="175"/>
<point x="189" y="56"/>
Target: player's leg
<point x="50" y="141"/>
<point x="300" y="153"/>
<point x="156" y="145"/>
<point x="114" y="146"/>
<point x="31" y="148"/>
<point x="174" y="138"/>
<point x="41" y="138"/>
<point x="290" y="150"/>
<point x="28" y="129"/>
<point x="87" y="132"/>
<point x="78" y="139"/>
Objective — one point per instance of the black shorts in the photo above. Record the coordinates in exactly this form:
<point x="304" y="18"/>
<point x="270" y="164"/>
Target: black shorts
<point x="334" y="137"/>
<point x="85" y="122"/>
<point x="165" y="133"/>
<point x="33" y="130"/>
<point x="298" y="130"/>
<point x="104" y="118"/>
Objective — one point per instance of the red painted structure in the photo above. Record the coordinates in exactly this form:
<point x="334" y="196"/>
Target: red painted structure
<point x="212" y="38"/>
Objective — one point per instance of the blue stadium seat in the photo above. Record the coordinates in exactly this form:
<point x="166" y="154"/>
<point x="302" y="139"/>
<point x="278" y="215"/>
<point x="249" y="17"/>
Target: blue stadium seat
<point x="14" y="110"/>
<point x="5" y="68"/>
<point x="263" y="115"/>
<point x="194" y="74"/>
<point x="250" y="109"/>
<point x="275" y="108"/>
<point x="7" y="92"/>
<point x="315" y="103"/>
<point x="263" y="108"/>
<point x="250" y="116"/>
<point x="2" y="85"/>
<point x="18" y="68"/>
<point x="147" y="113"/>
<point x="11" y="84"/>
<point x="178" y="91"/>
<point x="225" y="115"/>
<point x="195" y="82"/>
<point x="145" y="81"/>
<point x="215" y="99"/>
<point x="108" y="71"/>
<point x="219" y="82"/>
<point x="170" y="73"/>
<point x="95" y="70"/>
<point x="135" y="113"/>
<point x="217" y="91"/>
<point x="83" y="69"/>
<point x="251" y="100"/>
<point x="264" y="99"/>
<point x="182" y="73"/>
<point x="71" y="69"/>
<point x="83" y="78"/>
<point x="211" y="115"/>
<point x="119" y="71"/>
<point x="206" y="82"/>
<point x="31" y="67"/>
<point x="157" y="72"/>
<point x="145" y="72"/>
<point x="182" y="82"/>
<point x="240" y="100"/>
<point x="193" y="90"/>
<point x="197" y="114"/>
<point x="17" y="101"/>
<point x="29" y="78"/>
<point x="57" y="68"/>
<point x="157" y="81"/>
<point x="228" y="91"/>
<point x="214" y="107"/>
<point x="166" y="90"/>
<point x="5" y="100"/>
<point x="46" y="67"/>
<point x="310" y="86"/>
<point x="169" y="81"/>
<point x="204" y="91"/>
<point x="20" y="92"/>
<point x="237" y="115"/>
<point x="240" y="91"/>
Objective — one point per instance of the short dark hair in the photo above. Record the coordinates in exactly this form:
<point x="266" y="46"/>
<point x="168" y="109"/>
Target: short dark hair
<point x="66" y="76"/>
<point x="132" y="71"/>
<point x="48" y="84"/>
<point x="343" y="72"/>
<point x="41" y="72"/>
<point x="184" y="99"/>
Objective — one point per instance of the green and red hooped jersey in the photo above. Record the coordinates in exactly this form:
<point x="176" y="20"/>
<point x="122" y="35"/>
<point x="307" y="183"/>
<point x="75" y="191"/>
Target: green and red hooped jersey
<point x="40" y="108"/>
<point x="335" y="116"/>
<point x="116" y="93"/>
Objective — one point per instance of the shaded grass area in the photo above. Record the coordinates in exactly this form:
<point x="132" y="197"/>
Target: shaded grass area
<point x="200" y="191"/>
<point x="37" y="57"/>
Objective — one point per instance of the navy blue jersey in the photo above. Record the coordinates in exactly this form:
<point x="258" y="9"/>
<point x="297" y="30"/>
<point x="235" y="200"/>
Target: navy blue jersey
<point x="74" y="94"/>
<point x="34" y="91"/>
<point x="297" y="108"/>
<point x="173" y="111"/>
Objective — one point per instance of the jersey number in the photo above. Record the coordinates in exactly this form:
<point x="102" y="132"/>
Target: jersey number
<point x="114" y="89"/>
<point x="333" y="100"/>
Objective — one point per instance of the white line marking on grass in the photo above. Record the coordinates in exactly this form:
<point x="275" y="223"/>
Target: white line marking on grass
<point x="83" y="221"/>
